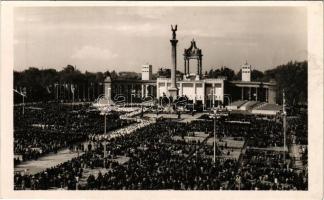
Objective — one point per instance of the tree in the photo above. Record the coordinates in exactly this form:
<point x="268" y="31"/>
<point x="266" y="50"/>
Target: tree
<point x="223" y="72"/>
<point x="99" y="77"/>
<point x="113" y="75"/>
<point x="238" y="76"/>
<point x="257" y="75"/>
<point x="106" y="73"/>
<point x="229" y="73"/>
<point x="291" y="77"/>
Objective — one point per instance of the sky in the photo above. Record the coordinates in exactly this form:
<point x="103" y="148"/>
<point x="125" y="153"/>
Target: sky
<point x="125" y="38"/>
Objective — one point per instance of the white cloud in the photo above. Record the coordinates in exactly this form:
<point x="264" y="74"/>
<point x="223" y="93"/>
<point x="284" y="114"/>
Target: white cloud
<point x="138" y="29"/>
<point x="150" y="13"/>
<point x="93" y="53"/>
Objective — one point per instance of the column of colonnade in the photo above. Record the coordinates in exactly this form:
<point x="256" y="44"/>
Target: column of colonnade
<point x="260" y="95"/>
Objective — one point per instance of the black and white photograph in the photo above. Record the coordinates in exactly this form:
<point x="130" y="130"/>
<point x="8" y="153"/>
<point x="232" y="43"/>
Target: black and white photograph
<point x="163" y="98"/>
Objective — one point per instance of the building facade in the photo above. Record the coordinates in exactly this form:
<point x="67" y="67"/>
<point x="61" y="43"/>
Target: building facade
<point x="147" y="72"/>
<point x="193" y="86"/>
<point x="246" y="72"/>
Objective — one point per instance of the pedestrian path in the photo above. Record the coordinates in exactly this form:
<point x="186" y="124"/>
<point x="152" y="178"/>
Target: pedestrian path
<point x="95" y="171"/>
<point x="122" y="131"/>
<point x="44" y="162"/>
<point x="183" y="117"/>
<point x="278" y="149"/>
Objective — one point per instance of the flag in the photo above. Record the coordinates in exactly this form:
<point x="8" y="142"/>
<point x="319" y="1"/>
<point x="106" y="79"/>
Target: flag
<point x="48" y="90"/>
<point x="72" y="88"/>
<point x="24" y="91"/>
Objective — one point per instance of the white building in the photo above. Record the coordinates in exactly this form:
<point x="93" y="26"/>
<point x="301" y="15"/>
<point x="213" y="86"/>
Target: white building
<point x="246" y="72"/>
<point x="146" y="72"/>
<point x="193" y="85"/>
<point x="195" y="90"/>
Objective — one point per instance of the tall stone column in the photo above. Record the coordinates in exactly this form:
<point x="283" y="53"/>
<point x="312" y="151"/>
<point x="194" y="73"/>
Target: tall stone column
<point x="249" y="93"/>
<point x="185" y="66"/>
<point x="143" y="91"/>
<point x="272" y="95"/>
<point x="188" y="65"/>
<point x="200" y="65"/>
<point x="204" y="93"/>
<point x="158" y="90"/>
<point x="242" y="93"/>
<point x="173" y="90"/>
<point x="195" y="93"/>
<point x="107" y="88"/>
<point x="146" y="90"/>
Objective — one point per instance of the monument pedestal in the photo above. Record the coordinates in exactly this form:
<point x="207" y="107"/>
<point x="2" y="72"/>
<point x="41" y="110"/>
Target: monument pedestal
<point x="173" y="92"/>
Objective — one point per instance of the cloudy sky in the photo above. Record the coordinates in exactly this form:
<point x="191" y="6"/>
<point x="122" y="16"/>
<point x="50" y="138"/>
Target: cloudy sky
<point x="124" y="38"/>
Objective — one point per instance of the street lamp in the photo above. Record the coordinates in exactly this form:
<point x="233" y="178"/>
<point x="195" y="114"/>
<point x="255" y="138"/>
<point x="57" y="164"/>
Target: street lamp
<point x="105" y="105"/>
<point x="105" y="152"/>
<point x="23" y="94"/>
<point x="72" y="91"/>
<point x="228" y="98"/>
<point x="284" y="115"/>
<point x="132" y="96"/>
<point x="214" y="116"/>
<point x="104" y="111"/>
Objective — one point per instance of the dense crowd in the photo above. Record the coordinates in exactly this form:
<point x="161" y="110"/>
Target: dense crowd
<point x="155" y="160"/>
<point x="152" y="164"/>
<point x="265" y="171"/>
<point x="50" y="127"/>
<point x="35" y="142"/>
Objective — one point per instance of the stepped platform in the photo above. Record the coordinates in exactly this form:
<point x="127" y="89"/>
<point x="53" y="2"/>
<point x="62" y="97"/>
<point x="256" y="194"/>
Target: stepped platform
<point x="267" y="109"/>
<point x="254" y="107"/>
<point x="236" y="104"/>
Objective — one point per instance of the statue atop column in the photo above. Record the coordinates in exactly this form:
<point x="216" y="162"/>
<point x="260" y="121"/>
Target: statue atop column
<point x="173" y="90"/>
<point x="173" y="31"/>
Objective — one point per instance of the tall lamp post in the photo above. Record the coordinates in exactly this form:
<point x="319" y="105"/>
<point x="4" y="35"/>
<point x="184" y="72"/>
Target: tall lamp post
<point x="23" y="94"/>
<point x="284" y="115"/>
<point x="105" y="153"/>
<point x="228" y="98"/>
<point x="72" y="91"/>
<point x="104" y="111"/>
<point x="214" y="116"/>
<point x="105" y="123"/>
<point x="105" y="105"/>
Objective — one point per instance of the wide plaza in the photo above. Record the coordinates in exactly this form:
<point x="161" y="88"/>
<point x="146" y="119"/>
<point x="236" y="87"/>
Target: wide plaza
<point x="152" y="150"/>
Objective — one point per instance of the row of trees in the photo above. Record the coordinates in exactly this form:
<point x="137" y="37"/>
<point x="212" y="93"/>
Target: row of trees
<point x="224" y="71"/>
<point x="291" y="77"/>
<point x="256" y="75"/>
<point x="46" y="84"/>
<point x="49" y="84"/>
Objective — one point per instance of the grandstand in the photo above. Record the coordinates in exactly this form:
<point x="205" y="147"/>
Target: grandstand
<point x="267" y="109"/>
<point x="249" y="105"/>
<point x="235" y="105"/>
<point x="255" y="107"/>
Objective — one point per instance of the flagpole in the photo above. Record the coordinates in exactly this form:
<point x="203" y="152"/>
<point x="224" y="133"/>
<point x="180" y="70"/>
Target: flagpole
<point x="284" y="124"/>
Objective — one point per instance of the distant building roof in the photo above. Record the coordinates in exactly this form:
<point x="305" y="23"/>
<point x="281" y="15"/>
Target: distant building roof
<point x="108" y="79"/>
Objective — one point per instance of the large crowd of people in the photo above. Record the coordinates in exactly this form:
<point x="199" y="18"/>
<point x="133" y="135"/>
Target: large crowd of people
<point x="265" y="171"/>
<point x="47" y="128"/>
<point x="155" y="160"/>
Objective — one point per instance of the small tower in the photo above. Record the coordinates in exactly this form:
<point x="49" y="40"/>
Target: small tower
<point x="146" y="72"/>
<point x="246" y="72"/>
<point x="107" y="87"/>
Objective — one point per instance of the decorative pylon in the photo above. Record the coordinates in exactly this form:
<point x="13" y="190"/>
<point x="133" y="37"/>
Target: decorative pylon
<point x="173" y="90"/>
